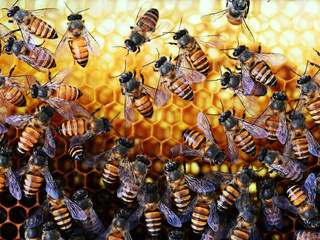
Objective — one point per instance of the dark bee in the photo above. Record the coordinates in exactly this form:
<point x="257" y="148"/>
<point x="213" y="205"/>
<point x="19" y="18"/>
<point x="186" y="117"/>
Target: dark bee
<point x="236" y="186"/>
<point x="175" y="79"/>
<point x="33" y="128"/>
<point x="200" y="146"/>
<point x="301" y="202"/>
<point x="153" y="208"/>
<point x="285" y="166"/>
<point x="7" y="177"/>
<point x="50" y="232"/>
<point x="39" y="58"/>
<point x="57" y="95"/>
<point x="176" y="234"/>
<point x="180" y="184"/>
<point x="76" y="153"/>
<point x="31" y="233"/>
<point x="80" y="41"/>
<point x="306" y="235"/>
<point x="272" y="215"/>
<point x="92" y="224"/>
<point x="240" y="135"/>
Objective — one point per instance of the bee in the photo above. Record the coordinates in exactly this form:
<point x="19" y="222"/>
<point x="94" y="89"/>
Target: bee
<point x="31" y="233"/>
<point x="285" y="166"/>
<point x="137" y="94"/>
<point x="7" y="177"/>
<point x="236" y="11"/>
<point x="254" y="67"/>
<point x="301" y="202"/>
<point x="300" y="141"/>
<point x="76" y="153"/>
<point x="176" y="234"/>
<point x="180" y="184"/>
<point x="33" y="128"/>
<point x="50" y="232"/>
<point x="37" y="57"/>
<point x="36" y="171"/>
<point x="175" y="79"/>
<point x="306" y="235"/>
<point x="153" y="208"/>
<point x="236" y="186"/>
<point x="240" y="135"/>
<point x="115" y="162"/>
<point x="272" y="215"/>
<point x="80" y="41"/>
<point x="57" y="95"/>
<point x="92" y="224"/>
<point x="199" y="145"/>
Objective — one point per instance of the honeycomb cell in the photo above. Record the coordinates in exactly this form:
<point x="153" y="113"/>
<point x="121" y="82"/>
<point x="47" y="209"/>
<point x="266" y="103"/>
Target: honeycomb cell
<point x="65" y="164"/>
<point x="7" y="200"/>
<point x="28" y="202"/>
<point x="75" y="180"/>
<point x="3" y="215"/>
<point x="103" y="94"/>
<point x="17" y="214"/>
<point x="152" y="147"/>
<point x="93" y="181"/>
<point x="159" y="131"/>
<point x="8" y="231"/>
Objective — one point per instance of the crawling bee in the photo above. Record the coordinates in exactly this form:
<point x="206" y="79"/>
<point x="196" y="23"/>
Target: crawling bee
<point x="306" y="235"/>
<point x="31" y="233"/>
<point x="50" y="232"/>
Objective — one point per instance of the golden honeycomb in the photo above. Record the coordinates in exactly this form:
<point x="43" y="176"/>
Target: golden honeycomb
<point x="288" y="27"/>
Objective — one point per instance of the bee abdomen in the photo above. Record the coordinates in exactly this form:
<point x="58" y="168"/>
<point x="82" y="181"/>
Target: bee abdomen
<point x="314" y="110"/>
<point x="199" y="60"/>
<point x="245" y="142"/>
<point x="14" y="96"/>
<point x="199" y="218"/>
<point x="73" y="128"/>
<point x="181" y="89"/>
<point x="227" y="197"/>
<point x="116" y="236"/>
<point x="29" y="137"/>
<point x="41" y="58"/>
<point x="193" y="138"/>
<point x="262" y="73"/>
<point x="32" y="183"/>
<point x="307" y="235"/>
<point x="79" y="50"/>
<point x="293" y="173"/>
<point x="76" y="152"/>
<point x="149" y="20"/>
<point x="62" y="217"/>
<point x="300" y="148"/>
<point x="144" y="105"/>
<point x="110" y="172"/>
<point x="3" y="178"/>
<point x="129" y="193"/>
<point x="41" y="29"/>
<point x="239" y="233"/>
<point x="272" y="124"/>
<point x="67" y="93"/>
<point x="182" y="196"/>
<point x="296" y="196"/>
<point x="153" y="221"/>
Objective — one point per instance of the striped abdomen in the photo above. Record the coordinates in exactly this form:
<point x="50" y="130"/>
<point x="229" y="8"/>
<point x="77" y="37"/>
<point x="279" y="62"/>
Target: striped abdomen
<point x="41" y="29"/>
<point x="240" y="233"/>
<point x="116" y="236"/>
<point x="144" y="105"/>
<point x="32" y="183"/>
<point x="67" y="93"/>
<point x="182" y="89"/>
<point x="307" y="235"/>
<point x="14" y="96"/>
<point x="3" y="178"/>
<point x="194" y="139"/>
<point x="261" y="72"/>
<point x="75" y="127"/>
<point x="148" y="21"/>
<point x="129" y="192"/>
<point x="199" y="59"/>
<point x="182" y="197"/>
<point x="245" y="141"/>
<point x="300" y="147"/>
<point x="228" y="197"/>
<point x="313" y="107"/>
<point x="200" y="217"/>
<point x="258" y="89"/>
<point x="110" y="172"/>
<point x="153" y="221"/>
<point x="92" y="223"/>
<point x="79" y="50"/>
<point x="293" y="172"/>
<point x="76" y="152"/>
<point x="272" y="124"/>
<point x="61" y="216"/>
<point x="29" y="137"/>
<point x="39" y="57"/>
<point x="296" y="196"/>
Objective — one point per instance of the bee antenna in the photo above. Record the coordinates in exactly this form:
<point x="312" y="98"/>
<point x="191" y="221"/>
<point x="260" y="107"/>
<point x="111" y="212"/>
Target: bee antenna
<point x="180" y="23"/>
<point x="161" y="159"/>
<point x="115" y="117"/>
<point x="294" y="72"/>
<point x="158" y="53"/>
<point x="68" y="7"/>
<point x="219" y="79"/>
<point x="83" y="10"/>
<point x="95" y="111"/>
<point x="224" y="49"/>
<point x="305" y="70"/>
<point x="119" y="47"/>
<point x="5" y="9"/>
<point x="221" y="105"/>
<point x="237" y="41"/>
<point x="220" y="69"/>
<point x="148" y="64"/>
<point x="141" y="147"/>
<point x="212" y="114"/>
<point x="116" y="130"/>
<point x="125" y="130"/>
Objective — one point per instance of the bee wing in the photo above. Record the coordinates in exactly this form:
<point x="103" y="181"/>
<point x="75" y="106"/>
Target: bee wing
<point x="273" y="58"/>
<point x="163" y="27"/>
<point x="187" y="212"/>
<point x="20" y="82"/>
<point x="49" y="144"/>
<point x="38" y="51"/>
<point x="75" y="211"/>
<point x="309" y="187"/>
<point x="266" y="212"/>
<point x="255" y="131"/>
<point x="126" y="171"/>
<point x="51" y="187"/>
<point x="28" y="38"/>
<point x="212" y="17"/>
<point x="184" y="150"/>
<point x="283" y="203"/>
<point x="61" y="48"/>
<point x="219" y="178"/>
<point x="4" y="31"/>
<point x="242" y="200"/>
<point x="79" y="110"/>
<point x="316" y="79"/>
<point x="3" y="129"/>
<point x="199" y="185"/>
<point x="246" y="30"/>
<point x="38" y="217"/>
<point x="282" y="131"/>
<point x="211" y="40"/>
<point x="129" y="113"/>
<point x="249" y="102"/>
<point x="96" y="222"/>
<point x="133" y="220"/>
<point x="20" y="120"/>
<point x="95" y="160"/>
<point x="184" y="70"/>
<point x="172" y="218"/>
<point x="232" y="148"/>
<point x="14" y="186"/>
<point x="127" y="236"/>
<point x="48" y="13"/>
<point x="254" y="234"/>
<point x="60" y="78"/>
<point x="162" y="94"/>
<point x="313" y="145"/>
<point x="21" y="171"/>
<point x="81" y="139"/>
<point x="93" y="45"/>
<point x="213" y="219"/>
<point x="293" y="163"/>
<point x="149" y="90"/>
<point x="279" y="167"/>
<point x="204" y="125"/>
<point x="287" y="150"/>
<point x="246" y="80"/>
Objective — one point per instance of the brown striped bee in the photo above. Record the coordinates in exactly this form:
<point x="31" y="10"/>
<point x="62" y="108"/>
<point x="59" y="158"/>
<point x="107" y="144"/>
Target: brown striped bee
<point x="153" y="208"/>
<point x="36" y="171"/>
<point x="180" y="184"/>
<point x="80" y="41"/>
<point x="285" y="166"/>
<point x="198" y="145"/>
<point x="7" y="177"/>
<point x="306" y="235"/>
<point x="50" y="232"/>
<point x="272" y="216"/>
<point x="240" y="135"/>
<point x="34" y="127"/>
<point x="92" y="224"/>
<point x="175" y="79"/>
<point x="176" y="234"/>
<point x="77" y="152"/>
<point x="37" y="57"/>
<point x="56" y="94"/>
<point x="31" y="233"/>
<point x="301" y="202"/>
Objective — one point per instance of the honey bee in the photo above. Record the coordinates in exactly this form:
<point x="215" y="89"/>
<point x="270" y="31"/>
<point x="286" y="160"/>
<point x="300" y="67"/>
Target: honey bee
<point x="176" y="234"/>
<point x="57" y="95"/>
<point x="76" y="153"/>
<point x="175" y="79"/>
<point x="199" y="145"/>
<point x="301" y="202"/>
<point x="33" y="128"/>
<point x="306" y="235"/>
<point x="37" y="57"/>
<point x="31" y="233"/>
<point x="137" y="94"/>
<point x="80" y="41"/>
<point x="35" y="172"/>
<point x="50" y="232"/>
<point x="7" y="177"/>
<point x="92" y="224"/>
<point x="272" y="215"/>
<point x="285" y="166"/>
<point x="180" y="184"/>
<point x="153" y="208"/>
<point x="114" y="162"/>
<point x="236" y="186"/>
<point x="300" y="140"/>
<point x="240" y="135"/>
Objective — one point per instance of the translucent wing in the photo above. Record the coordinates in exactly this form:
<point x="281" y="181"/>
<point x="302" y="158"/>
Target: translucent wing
<point x="219" y="178"/>
<point x="51" y="187"/>
<point x="79" y="110"/>
<point x="21" y="171"/>
<point x="242" y="200"/>
<point x="255" y="131"/>
<point x="95" y="160"/>
<point x="213" y="219"/>
<point x="3" y="128"/>
<point x="129" y="113"/>
<point x="187" y="212"/>
<point x="184" y="150"/>
<point x="96" y="222"/>
<point x="199" y="185"/>
<point x="19" y="121"/>
<point x="14" y="186"/>
<point x="61" y="48"/>
<point x="127" y="236"/>
<point x="273" y="58"/>
<point x="149" y="90"/>
<point x="49" y="144"/>
<point x="20" y="81"/>
<point x="166" y="197"/>
<point x="81" y="139"/>
<point x="212" y="17"/>
<point x="266" y="212"/>
<point x="247" y="82"/>
<point x="293" y="163"/>
<point x="232" y="148"/>
<point x="204" y="125"/>
<point x="38" y="217"/>
<point x="172" y="218"/>
<point x="287" y="150"/>
<point x="134" y="218"/>
<point x="309" y="187"/>
<point x="249" y="102"/>
<point x="280" y="168"/>
<point x="48" y="13"/>
<point x="246" y="30"/>
<point x="60" y="78"/>
<point x="125" y="170"/>
<point x="75" y="211"/>
<point x="282" y="131"/>
<point x="313" y="145"/>
<point x="283" y="203"/>
<point x="211" y="40"/>
<point x="183" y="70"/>
<point x="4" y="31"/>
<point x="92" y="44"/>
<point x="162" y="94"/>
<point x="28" y="38"/>
<point x="62" y="107"/>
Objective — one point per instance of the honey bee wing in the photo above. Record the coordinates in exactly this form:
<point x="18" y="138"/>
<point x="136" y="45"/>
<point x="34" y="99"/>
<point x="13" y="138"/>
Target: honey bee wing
<point x="247" y="82"/>
<point x="13" y="184"/>
<point x="249" y="102"/>
<point x="313" y="145"/>
<point x="48" y="13"/>
<point x="39" y="216"/>
<point x="172" y="218"/>
<point x="20" y="120"/>
<point x="162" y="28"/>
<point x="62" y="107"/>
<point x="184" y="71"/>
<point x="60" y="78"/>
<point x="127" y="236"/>
<point x="232" y="148"/>
<point x="282" y="131"/>
<point x="218" y="177"/>
<point x="246" y="30"/>
<point x="204" y="125"/>
<point x="162" y="94"/>
<point x="212" y="17"/>
<point x="149" y="90"/>
<point x="213" y="219"/>
<point x="96" y="222"/>
<point x="4" y="31"/>
<point x="316" y="79"/>
<point x="211" y="40"/>
<point x="106" y="233"/>
<point x="51" y="187"/>
<point x="273" y="58"/>
<point x="184" y="150"/>
<point x="293" y="163"/>
<point x="20" y="82"/>
<point x="129" y="113"/>
<point x="3" y="129"/>
<point x="75" y="211"/>
<point x="96" y="159"/>
<point x="21" y="171"/>
<point x="49" y="143"/>
<point x="126" y="171"/>
<point x="28" y="38"/>
<point x="93" y="45"/>
<point x="283" y="203"/>
<point x="61" y="48"/>
<point x="133" y="220"/>
<point x="187" y="212"/>
<point x="40" y="57"/>
<point x="254" y="234"/>
<point x="242" y="200"/>
<point x="166" y="197"/>
<point x="254" y="130"/>
<point x="199" y="185"/>
<point x="309" y="187"/>
<point x="81" y="139"/>
<point x="79" y="110"/>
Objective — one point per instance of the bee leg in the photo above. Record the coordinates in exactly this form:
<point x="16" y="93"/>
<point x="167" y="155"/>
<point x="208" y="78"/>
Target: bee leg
<point x="172" y="43"/>
<point x="138" y="50"/>
<point x="10" y="21"/>
<point x="318" y="53"/>
<point x="11" y="71"/>
<point x="142" y="77"/>
<point x="259" y="48"/>
<point x="314" y="64"/>
<point x="155" y="70"/>
<point x="233" y="58"/>
<point x="243" y="115"/>
<point x="41" y="44"/>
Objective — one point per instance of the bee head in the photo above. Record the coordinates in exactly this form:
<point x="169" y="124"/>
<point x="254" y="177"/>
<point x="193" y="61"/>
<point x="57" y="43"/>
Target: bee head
<point x="34" y="90"/>
<point x="79" y="195"/>
<point x="304" y="79"/>
<point x="266" y="183"/>
<point x="224" y="116"/>
<point x="130" y="45"/>
<point x="106" y="125"/>
<point x="160" y="62"/>
<point x="125" y="77"/>
<point x="171" y="166"/>
<point x="239" y="50"/>
<point x="281" y="96"/>
<point x="13" y="11"/>
<point x="143" y="159"/>
<point x="48" y="226"/>
<point x="225" y="79"/>
<point x="47" y="110"/>
<point x="249" y="172"/>
<point x="128" y="143"/>
<point x="9" y="44"/>
<point x="263" y="154"/>
<point x="76" y="16"/>
<point x="180" y="34"/>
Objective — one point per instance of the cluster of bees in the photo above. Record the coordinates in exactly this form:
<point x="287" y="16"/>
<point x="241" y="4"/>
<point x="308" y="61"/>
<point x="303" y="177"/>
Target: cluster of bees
<point x="208" y="216"/>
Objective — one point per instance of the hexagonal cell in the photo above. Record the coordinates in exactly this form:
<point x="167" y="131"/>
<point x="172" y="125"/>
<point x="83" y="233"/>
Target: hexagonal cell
<point x="152" y="147"/>
<point x="161" y="130"/>
<point x="8" y="231"/>
<point x="75" y="181"/>
<point x="17" y="214"/>
<point x="287" y="224"/>
<point x="60" y="146"/>
<point x="166" y="146"/>
<point x="93" y="181"/>
<point x="7" y="200"/>
<point x="3" y="215"/>
<point x="28" y="202"/>
<point x="89" y="93"/>
<point x="189" y="115"/>
<point x="201" y="99"/>
<point x="142" y="129"/>
<point x="103" y="94"/>
<point x="171" y="115"/>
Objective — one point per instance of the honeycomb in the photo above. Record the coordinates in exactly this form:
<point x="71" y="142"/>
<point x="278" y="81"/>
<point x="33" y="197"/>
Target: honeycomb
<point x="287" y="27"/>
